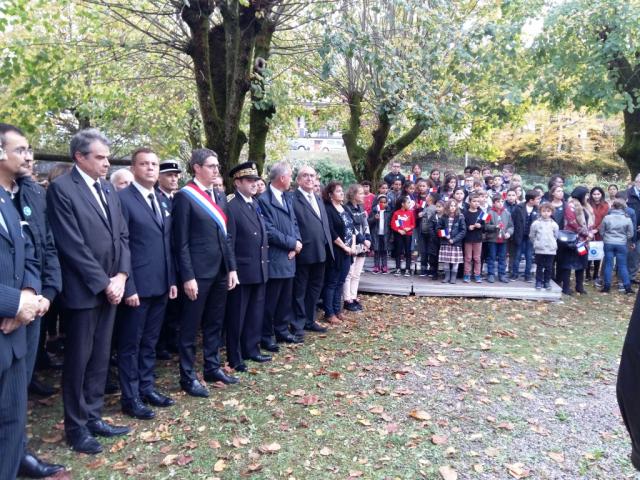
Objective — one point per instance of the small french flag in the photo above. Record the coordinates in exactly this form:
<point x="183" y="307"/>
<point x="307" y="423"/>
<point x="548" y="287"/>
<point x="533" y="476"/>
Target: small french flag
<point x="484" y="216"/>
<point x="582" y="249"/>
<point x="433" y="190"/>
<point x="399" y="222"/>
<point x="504" y="195"/>
<point x="442" y="233"/>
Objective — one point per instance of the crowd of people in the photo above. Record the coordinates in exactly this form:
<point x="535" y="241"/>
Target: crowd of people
<point x="136" y="268"/>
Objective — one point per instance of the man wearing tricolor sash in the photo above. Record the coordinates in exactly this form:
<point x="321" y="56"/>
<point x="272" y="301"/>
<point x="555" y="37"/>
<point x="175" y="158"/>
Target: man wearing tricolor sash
<point x="207" y="268"/>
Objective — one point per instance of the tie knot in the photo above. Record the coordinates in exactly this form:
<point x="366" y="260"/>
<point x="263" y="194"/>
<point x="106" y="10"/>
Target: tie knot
<point x="151" y="196"/>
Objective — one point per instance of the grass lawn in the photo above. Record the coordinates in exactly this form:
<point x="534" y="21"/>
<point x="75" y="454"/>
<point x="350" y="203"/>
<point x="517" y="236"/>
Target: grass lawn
<point x="411" y="388"/>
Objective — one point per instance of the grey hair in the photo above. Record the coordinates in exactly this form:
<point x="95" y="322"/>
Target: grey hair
<point x="278" y="169"/>
<point x="82" y="140"/>
<point x="199" y="155"/>
<point x="115" y="176"/>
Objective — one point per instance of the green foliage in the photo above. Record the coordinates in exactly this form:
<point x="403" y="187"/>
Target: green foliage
<point x="328" y="171"/>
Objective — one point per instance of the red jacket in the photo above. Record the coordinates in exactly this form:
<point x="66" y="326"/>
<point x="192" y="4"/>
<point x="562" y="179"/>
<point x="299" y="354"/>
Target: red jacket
<point x="403" y="219"/>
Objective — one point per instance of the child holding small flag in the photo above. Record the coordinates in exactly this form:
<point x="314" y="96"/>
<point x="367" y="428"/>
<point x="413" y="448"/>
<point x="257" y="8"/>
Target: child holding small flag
<point x="543" y="234"/>
<point x="451" y="231"/>
<point x="402" y="224"/>
<point x="499" y="228"/>
<point x="474" y="219"/>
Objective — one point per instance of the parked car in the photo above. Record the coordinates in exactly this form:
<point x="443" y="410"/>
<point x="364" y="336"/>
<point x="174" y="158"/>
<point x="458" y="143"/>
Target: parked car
<point x="302" y="144"/>
<point x="331" y="144"/>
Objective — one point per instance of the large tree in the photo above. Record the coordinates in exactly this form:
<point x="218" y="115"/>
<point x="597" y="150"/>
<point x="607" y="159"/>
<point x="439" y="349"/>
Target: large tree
<point x="588" y="55"/>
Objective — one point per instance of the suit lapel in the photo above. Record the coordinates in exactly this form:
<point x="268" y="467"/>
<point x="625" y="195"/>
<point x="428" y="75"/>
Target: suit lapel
<point x="145" y="204"/>
<point x="302" y="198"/>
<point x="248" y="210"/>
<point x="84" y="188"/>
<point x="5" y="204"/>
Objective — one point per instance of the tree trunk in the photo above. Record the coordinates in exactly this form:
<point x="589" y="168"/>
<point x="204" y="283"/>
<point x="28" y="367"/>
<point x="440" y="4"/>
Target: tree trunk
<point x="630" y="150"/>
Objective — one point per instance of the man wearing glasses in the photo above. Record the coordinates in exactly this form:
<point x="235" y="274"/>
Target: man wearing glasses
<point x="207" y="268"/>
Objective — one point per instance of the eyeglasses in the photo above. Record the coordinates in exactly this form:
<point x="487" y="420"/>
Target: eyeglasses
<point x="308" y="175"/>
<point x="212" y="166"/>
<point x="23" y="151"/>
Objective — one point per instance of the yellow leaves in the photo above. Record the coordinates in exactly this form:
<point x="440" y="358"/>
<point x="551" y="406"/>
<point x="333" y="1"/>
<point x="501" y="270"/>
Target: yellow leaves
<point x="269" y="448"/>
<point x="239" y="442"/>
<point x="557" y="457"/>
<point x="448" y="473"/>
<point x="220" y="465"/>
<point x="420" y="415"/>
<point x="117" y="446"/>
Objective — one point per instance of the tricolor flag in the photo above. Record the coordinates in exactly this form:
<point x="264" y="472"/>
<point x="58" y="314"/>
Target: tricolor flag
<point x="433" y="190"/>
<point x="484" y="216"/>
<point x="399" y="222"/>
<point x="582" y="249"/>
<point x="442" y="233"/>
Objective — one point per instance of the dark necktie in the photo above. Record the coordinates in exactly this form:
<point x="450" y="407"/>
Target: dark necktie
<point x="156" y="212"/>
<point x="103" y="201"/>
<point x="211" y="196"/>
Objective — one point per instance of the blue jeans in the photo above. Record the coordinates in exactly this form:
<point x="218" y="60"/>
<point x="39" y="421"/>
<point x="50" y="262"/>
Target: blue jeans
<point x="526" y="249"/>
<point x="335" y="275"/>
<point x="619" y="252"/>
<point x="496" y="251"/>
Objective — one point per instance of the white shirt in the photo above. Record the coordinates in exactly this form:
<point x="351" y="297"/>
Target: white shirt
<point x="311" y="198"/>
<point x="381" y="223"/>
<point x="90" y="183"/>
<point x="204" y="189"/>
<point x="246" y="199"/>
<point x="168" y="194"/>
<point x="145" y="193"/>
<point x="278" y="194"/>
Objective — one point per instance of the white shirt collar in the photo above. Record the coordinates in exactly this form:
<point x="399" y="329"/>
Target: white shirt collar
<point x="277" y="193"/>
<point x="201" y="186"/>
<point x="144" y="191"/>
<point x="89" y="181"/>
<point x="305" y="193"/>
<point x="246" y="199"/>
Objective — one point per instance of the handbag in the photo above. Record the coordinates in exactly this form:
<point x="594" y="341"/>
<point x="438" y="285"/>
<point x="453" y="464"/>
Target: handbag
<point x="596" y="250"/>
<point x="568" y="238"/>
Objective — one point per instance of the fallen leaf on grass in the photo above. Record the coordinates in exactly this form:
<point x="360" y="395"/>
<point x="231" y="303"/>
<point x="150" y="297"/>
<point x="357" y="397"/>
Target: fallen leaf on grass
<point x="117" y="446"/>
<point x="309" y="400"/>
<point x="376" y="409"/>
<point x="220" y="465"/>
<point x="297" y="393"/>
<point x="325" y="451"/>
<point x="252" y="468"/>
<point x="448" y="473"/>
<point x="419" y="415"/>
<point x="55" y="438"/>
<point x="97" y="463"/>
<point x="214" y="444"/>
<point x="354" y="474"/>
<point x="269" y="447"/>
<point x="556" y="456"/>
<point x="478" y="468"/>
<point x="439" y="439"/>
<point x="517" y="470"/>
<point x="505" y="426"/>
<point x="149" y="437"/>
<point x="239" y="441"/>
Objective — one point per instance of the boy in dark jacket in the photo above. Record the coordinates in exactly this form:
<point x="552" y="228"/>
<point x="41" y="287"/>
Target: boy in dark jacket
<point x="523" y="216"/>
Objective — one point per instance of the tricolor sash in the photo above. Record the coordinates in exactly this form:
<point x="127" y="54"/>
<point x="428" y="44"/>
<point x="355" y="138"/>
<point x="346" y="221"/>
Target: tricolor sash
<point x="207" y="204"/>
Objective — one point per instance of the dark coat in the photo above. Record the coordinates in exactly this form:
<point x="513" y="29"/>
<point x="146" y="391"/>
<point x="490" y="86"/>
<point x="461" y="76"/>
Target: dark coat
<point x="90" y="250"/>
<point x="315" y="232"/>
<point x="249" y="241"/>
<point x="373" y="228"/>
<point x="18" y="269"/>
<point x="33" y="205"/>
<point x="520" y="226"/>
<point x="283" y="233"/>
<point x="432" y="240"/>
<point x="200" y="246"/>
<point x="152" y="266"/>
<point x="457" y="233"/>
<point x="338" y="230"/>
<point x="633" y="201"/>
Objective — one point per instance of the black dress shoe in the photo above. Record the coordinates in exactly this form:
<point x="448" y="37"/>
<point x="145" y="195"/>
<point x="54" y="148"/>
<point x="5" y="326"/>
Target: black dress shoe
<point x="635" y="459"/>
<point x="85" y="444"/>
<point x="157" y="399"/>
<point x="163" y="355"/>
<point x="219" y="376"/>
<point x="32" y="467"/>
<point x="103" y="429"/>
<point x="195" y="389"/>
<point x="36" y="387"/>
<point x="289" y="339"/>
<point x="260" y="358"/>
<point x="315" y="327"/>
<point x="137" y="409"/>
<point x="270" y="347"/>
<point x="240" y="368"/>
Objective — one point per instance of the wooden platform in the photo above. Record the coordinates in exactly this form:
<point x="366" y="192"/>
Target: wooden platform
<point x="425" y="287"/>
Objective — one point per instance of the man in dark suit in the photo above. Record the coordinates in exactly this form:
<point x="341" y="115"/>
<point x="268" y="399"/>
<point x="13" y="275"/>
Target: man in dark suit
<point x="29" y="200"/>
<point x="284" y="244"/>
<point x="316" y="248"/>
<point x="19" y="305"/>
<point x="207" y="268"/>
<point x="92" y="240"/>
<point x="245" y="303"/>
<point x="168" y="183"/>
<point x="151" y="284"/>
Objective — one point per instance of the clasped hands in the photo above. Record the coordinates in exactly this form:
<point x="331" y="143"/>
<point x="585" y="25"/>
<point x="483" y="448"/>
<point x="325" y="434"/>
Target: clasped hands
<point x="31" y="307"/>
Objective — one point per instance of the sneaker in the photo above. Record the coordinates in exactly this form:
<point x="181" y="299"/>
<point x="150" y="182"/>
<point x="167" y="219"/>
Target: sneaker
<point x="423" y="273"/>
<point x="397" y="272"/>
<point x="358" y="305"/>
<point x="477" y="278"/>
<point x="504" y="279"/>
<point x="629" y="291"/>
<point x="538" y="286"/>
<point x="350" y="307"/>
<point x="547" y="286"/>
<point x="466" y="278"/>
<point x="528" y="278"/>
<point x="605" y="289"/>
<point x="491" y="278"/>
<point x="385" y="270"/>
<point x="375" y="270"/>
<point x="598" y="282"/>
<point x="513" y="278"/>
<point x="407" y="273"/>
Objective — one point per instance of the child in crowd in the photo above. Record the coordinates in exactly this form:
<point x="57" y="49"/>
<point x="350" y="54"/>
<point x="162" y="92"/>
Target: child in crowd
<point x="511" y="200"/>
<point x="523" y="216"/>
<point x="379" y="226"/>
<point x="383" y="189"/>
<point x="402" y="224"/>
<point x="616" y="230"/>
<point x="507" y="172"/>
<point x="543" y="235"/>
<point x="394" y="194"/>
<point x="368" y="196"/>
<point x="474" y="221"/>
<point x="431" y="240"/>
<point x="434" y="176"/>
<point x="451" y="231"/>
<point x="499" y="228"/>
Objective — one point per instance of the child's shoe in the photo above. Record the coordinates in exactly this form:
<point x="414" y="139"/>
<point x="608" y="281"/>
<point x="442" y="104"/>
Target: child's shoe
<point x="538" y="285"/>
<point x="491" y="278"/>
<point x="466" y="278"/>
<point x="375" y="270"/>
<point x="477" y="278"/>
<point x="407" y="273"/>
<point x="385" y="270"/>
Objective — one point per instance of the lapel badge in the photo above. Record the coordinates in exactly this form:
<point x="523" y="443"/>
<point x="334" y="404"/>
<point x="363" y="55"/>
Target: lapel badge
<point x="27" y="211"/>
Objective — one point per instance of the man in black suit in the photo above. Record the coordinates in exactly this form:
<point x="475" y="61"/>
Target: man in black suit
<point x="245" y="303"/>
<point x="316" y="248"/>
<point x="92" y="240"/>
<point x="151" y="284"/>
<point x="207" y="268"/>
<point x="29" y="200"/>
<point x="284" y="244"/>
<point x="168" y="183"/>
<point x="19" y="306"/>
